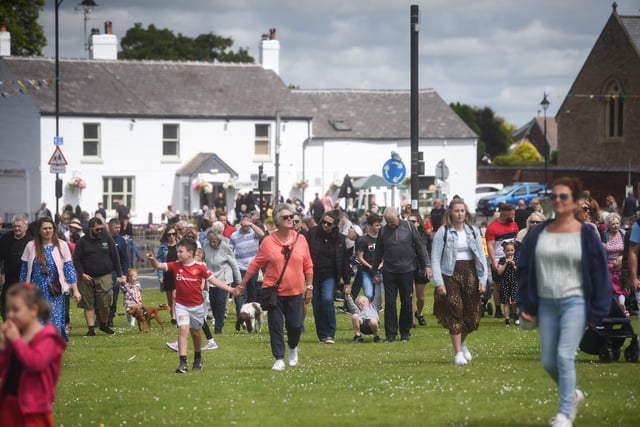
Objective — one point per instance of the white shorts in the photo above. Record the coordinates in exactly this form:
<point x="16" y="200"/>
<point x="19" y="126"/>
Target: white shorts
<point x="194" y="317"/>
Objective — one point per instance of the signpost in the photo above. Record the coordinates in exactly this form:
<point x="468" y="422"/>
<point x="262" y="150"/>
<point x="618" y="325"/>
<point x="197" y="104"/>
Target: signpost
<point x="58" y="165"/>
<point x="394" y="171"/>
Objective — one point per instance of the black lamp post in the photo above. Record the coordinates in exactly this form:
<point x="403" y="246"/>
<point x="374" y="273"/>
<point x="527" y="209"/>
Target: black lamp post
<point x="87" y="8"/>
<point x="545" y="104"/>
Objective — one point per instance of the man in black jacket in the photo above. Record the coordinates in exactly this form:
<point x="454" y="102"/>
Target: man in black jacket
<point x="12" y="245"/>
<point x="95" y="257"/>
<point x="330" y="262"/>
<point x="402" y="249"/>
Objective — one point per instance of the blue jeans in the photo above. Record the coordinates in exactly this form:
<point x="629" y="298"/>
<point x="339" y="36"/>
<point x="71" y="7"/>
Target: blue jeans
<point x="562" y="322"/>
<point x="324" y="312"/>
<point x="367" y="284"/>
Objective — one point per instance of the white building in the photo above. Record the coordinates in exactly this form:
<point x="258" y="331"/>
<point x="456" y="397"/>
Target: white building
<point x="146" y="131"/>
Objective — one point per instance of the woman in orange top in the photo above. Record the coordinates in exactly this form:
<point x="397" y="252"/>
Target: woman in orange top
<point x="297" y="279"/>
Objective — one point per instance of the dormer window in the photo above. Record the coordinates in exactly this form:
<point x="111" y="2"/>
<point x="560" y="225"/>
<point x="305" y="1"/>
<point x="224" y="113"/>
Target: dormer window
<point x="340" y="125"/>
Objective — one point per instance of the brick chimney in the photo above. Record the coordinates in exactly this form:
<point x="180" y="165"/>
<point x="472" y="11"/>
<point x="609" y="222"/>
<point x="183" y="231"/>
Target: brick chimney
<point x="270" y="51"/>
<point x="103" y="46"/>
<point x="5" y="40"/>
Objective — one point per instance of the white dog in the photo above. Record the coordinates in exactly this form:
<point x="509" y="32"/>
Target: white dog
<point x="250" y="317"/>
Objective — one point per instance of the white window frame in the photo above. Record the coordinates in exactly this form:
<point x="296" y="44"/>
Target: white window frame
<point x="88" y="158"/>
<point x="261" y="140"/>
<point x="173" y="157"/>
<point x="127" y="194"/>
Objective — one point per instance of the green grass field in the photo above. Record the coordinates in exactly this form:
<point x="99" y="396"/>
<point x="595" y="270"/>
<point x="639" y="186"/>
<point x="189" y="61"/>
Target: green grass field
<point x="129" y="380"/>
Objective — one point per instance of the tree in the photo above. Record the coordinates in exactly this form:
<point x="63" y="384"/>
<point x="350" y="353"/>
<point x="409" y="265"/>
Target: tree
<point x="21" y="18"/>
<point x="525" y="154"/>
<point x="495" y="135"/>
<point x="154" y="43"/>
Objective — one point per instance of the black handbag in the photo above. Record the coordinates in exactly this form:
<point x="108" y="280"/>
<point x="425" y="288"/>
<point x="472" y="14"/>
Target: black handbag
<point x="55" y="288"/>
<point x="269" y="297"/>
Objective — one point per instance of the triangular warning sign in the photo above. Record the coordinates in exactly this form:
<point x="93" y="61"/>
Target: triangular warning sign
<point x="57" y="158"/>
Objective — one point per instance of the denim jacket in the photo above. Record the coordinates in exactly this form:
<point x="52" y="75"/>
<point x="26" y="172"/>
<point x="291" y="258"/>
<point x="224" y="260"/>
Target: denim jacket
<point x="443" y="254"/>
<point x="161" y="256"/>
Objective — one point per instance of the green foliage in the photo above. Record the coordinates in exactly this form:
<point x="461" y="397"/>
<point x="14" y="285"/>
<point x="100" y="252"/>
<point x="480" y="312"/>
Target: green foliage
<point x="495" y="135"/>
<point x="21" y="17"/>
<point x="129" y="380"/>
<point x="525" y="154"/>
<point x="154" y="43"/>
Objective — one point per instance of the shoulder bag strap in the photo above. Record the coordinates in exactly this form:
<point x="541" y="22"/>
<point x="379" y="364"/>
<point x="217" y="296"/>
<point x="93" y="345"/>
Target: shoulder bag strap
<point x="286" y="260"/>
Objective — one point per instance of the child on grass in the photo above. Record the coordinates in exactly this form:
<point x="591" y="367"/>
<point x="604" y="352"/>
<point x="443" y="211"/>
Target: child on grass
<point x="508" y="283"/>
<point x="132" y="294"/>
<point x="30" y="359"/>
<point x="190" y="308"/>
<point x="364" y="318"/>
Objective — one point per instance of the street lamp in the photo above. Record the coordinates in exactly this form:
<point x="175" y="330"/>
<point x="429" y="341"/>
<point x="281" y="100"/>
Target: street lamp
<point x="87" y="8"/>
<point x="545" y="104"/>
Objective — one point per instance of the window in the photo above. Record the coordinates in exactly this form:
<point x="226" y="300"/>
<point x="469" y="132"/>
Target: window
<point x="614" y="110"/>
<point x="118" y="187"/>
<point x="170" y="140"/>
<point x="340" y="125"/>
<point x="261" y="149"/>
<point x="91" y="140"/>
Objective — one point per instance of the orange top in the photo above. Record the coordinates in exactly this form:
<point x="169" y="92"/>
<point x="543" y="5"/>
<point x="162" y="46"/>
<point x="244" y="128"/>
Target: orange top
<point x="271" y="255"/>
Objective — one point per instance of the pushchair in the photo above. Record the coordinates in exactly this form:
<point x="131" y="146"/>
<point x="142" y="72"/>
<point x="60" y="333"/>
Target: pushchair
<point x="607" y="339"/>
<point x="487" y="307"/>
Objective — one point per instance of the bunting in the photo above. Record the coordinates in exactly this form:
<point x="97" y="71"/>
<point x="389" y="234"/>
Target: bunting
<point x="23" y="86"/>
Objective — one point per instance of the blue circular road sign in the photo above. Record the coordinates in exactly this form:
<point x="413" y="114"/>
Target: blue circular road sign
<point x="394" y="171"/>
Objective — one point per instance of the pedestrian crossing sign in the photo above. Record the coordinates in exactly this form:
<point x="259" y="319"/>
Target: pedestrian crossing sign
<point x="57" y="158"/>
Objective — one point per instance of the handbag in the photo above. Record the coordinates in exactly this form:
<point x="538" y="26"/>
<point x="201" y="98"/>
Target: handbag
<point x="55" y="288"/>
<point x="269" y="297"/>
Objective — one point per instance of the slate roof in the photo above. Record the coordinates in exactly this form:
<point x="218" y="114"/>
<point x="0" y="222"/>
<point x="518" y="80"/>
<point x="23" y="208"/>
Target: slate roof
<point x="203" y="163"/>
<point x="379" y="114"/>
<point x="155" y="88"/>
<point x="552" y="131"/>
<point x="632" y="25"/>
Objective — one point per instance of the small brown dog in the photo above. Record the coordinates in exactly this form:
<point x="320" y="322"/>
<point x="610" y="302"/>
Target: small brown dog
<point x="143" y="316"/>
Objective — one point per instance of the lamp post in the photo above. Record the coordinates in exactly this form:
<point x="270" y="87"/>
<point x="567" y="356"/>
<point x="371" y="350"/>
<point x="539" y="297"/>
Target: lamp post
<point x="87" y="8"/>
<point x="58" y="185"/>
<point x="545" y="104"/>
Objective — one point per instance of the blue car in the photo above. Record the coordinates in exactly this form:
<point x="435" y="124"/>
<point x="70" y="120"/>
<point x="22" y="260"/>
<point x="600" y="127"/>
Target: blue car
<point x="510" y="194"/>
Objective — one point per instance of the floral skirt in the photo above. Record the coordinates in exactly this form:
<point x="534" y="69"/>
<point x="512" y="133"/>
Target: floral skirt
<point x="460" y="309"/>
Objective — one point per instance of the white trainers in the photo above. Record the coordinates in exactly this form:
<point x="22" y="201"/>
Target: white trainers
<point x="210" y="345"/>
<point x="560" y="420"/>
<point x="173" y="345"/>
<point x="460" y="360"/>
<point x="466" y="353"/>
<point x="293" y="356"/>
<point x="578" y="398"/>
<point x="278" y="366"/>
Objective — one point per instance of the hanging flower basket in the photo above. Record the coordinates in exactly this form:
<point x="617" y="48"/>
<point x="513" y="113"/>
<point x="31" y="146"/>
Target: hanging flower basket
<point x="337" y="183"/>
<point x="229" y="185"/>
<point x="77" y="183"/>
<point x="301" y="184"/>
<point x="202" y="185"/>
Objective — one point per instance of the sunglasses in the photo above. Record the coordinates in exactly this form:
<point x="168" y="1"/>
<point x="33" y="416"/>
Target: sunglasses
<point x="327" y="223"/>
<point x="286" y="217"/>
<point x="562" y="196"/>
<point x="586" y="209"/>
<point x="535" y="222"/>
<point x="286" y="251"/>
<point x="415" y="221"/>
<point x="296" y="221"/>
<point x="171" y="234"/>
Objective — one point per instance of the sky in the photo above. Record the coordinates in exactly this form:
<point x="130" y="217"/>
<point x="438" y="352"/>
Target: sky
<point x="504" y="54"/>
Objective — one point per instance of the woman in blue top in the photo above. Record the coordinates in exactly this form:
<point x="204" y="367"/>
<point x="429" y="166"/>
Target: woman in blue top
<point x="460" y="275"/>
<point x="563" y="283"/>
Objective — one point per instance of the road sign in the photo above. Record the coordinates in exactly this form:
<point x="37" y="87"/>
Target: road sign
<point x="442" y="170"/>
<point x="394" y="171"/>
<point x="58" y="140"/>
<point x="57" y="158"/>
<point x="58" y="169"/>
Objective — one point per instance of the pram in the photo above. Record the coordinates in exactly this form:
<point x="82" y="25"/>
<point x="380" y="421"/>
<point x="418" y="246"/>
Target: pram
<point x="607" y="339"/>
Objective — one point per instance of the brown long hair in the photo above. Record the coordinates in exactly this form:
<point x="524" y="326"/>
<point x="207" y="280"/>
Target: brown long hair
<point x="37" y="239"/>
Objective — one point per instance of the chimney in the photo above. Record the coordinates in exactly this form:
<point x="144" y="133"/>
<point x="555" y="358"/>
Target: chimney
<point x="5" y="40"/>
<point x="270" y="51"/>
<point x="103" y="46"/>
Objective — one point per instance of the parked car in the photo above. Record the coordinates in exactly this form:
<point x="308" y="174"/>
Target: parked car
<point x="483" y="190"/>
<point x="511" y="194"/>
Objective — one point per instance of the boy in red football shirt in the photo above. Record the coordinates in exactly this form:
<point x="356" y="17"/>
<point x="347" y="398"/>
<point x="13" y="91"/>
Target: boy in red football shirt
<point x="190" y="308"/>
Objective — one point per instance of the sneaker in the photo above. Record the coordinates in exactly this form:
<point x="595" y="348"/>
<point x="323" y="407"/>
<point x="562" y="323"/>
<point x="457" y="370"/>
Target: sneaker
<point x="327" y="340"/>
<point x="91" y="333"/>
<point x="560" y="420"/>
<point x="197" y="365"/>
<point x="357" y="338"/>
<point x="293" y="356"/>
<point x="421" y="320"/>
<point x="499" y="314"/>
<point x="466" y="353"/>
<point x="172" y="345"/>
<point x="174" y="322"/>
<point x="578" y="399"/>
<point x="278" y="366"/>
<point x="460" y="360"/>
<point x="405" y="338"/>
<point x="210" y="345"/>
<point x="516" y="322"/>
<point x="104" y="328"/>
<point x="390" y="338"/>
<point x="182" y="368"/>
<point x="377" y="339"/>
<point x="507" y="322"/>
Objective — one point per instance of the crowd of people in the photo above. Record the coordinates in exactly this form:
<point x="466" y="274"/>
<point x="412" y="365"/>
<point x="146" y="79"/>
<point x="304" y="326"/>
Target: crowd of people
<point x="285" y="257"/>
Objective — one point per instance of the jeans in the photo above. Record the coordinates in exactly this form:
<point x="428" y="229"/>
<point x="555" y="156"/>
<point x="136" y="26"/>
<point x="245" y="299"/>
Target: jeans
<point x="324" y="312"/>
<point x="398" y="283"/>
<point x="291" y="309"/>
<point x="251" y="294"/>
<point x="218" y="301"/>
<point x="367" y="285"/>
<point x="562" y="322"/>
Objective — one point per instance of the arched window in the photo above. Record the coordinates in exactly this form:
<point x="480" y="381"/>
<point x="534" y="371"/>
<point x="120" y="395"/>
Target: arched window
<point x="614" y="109"/>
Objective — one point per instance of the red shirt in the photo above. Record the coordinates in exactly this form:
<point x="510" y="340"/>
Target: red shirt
<point x="501" y="232"/>
<point x="188" y="279"/>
